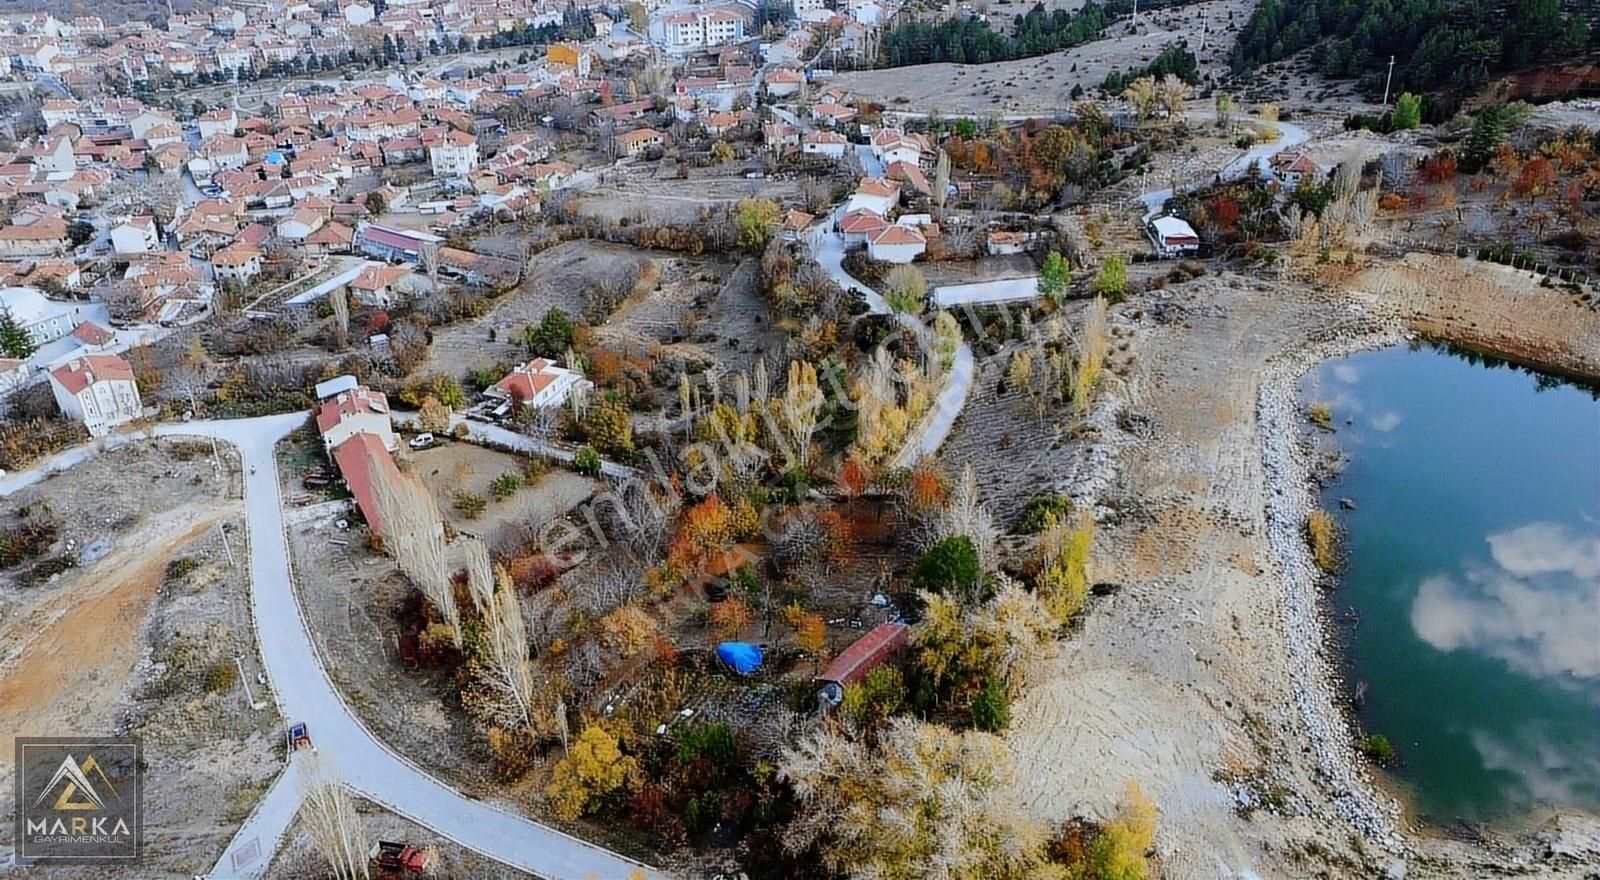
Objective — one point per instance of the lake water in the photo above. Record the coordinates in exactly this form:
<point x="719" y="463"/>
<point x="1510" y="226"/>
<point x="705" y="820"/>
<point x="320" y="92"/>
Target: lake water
<point x="1474" y="576"/>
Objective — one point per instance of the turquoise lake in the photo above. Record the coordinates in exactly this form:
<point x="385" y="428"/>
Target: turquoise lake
<point x="1473" y="577"/>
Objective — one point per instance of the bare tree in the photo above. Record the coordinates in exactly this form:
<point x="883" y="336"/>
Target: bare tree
<point x="331" y="819"/>
<point x="413" y="533"/>
<point x="506" y="636"/>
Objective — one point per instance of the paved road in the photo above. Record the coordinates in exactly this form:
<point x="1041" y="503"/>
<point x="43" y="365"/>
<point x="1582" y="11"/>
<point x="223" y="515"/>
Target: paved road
<point x="828" y="248"/>
<point x="304" y="693"/>
<point x="1288" y="135"/>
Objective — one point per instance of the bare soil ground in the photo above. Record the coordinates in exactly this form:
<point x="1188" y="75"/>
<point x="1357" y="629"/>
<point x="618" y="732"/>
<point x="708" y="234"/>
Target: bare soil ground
<point x="1181" y="676"/>
<point x="640" y="195"/>
<point x="562" y="279"/>
<point x="704" y="313"/>
<point x="456" y="466"/>
<point x="131" y="640"/>
<point x="1043" y="84"/>
<point x="298" y="859"/>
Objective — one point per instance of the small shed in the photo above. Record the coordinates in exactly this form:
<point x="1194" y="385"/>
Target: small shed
<point x="864" y="655"/>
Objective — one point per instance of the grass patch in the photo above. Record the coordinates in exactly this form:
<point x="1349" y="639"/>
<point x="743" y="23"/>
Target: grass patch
<point x="1323" y="536"/>
<point x="182" y="567"/>
<point x="1039" y="509"/>
<point x="1321" y="415"/>
<point x="1377" y="748"/>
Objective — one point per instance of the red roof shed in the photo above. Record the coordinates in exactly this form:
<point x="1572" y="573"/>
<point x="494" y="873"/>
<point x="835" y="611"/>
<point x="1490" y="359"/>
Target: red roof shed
<point x="866" y="653"/>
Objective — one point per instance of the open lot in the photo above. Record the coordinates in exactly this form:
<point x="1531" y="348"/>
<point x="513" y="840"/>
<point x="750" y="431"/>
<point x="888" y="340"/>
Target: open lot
<point x="140" y="638"/>
<point x="559" y="278"/>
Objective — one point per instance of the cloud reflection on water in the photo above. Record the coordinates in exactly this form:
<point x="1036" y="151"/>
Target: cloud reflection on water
<point x="1535" y="608"/>
<point x="1545" y="771"/>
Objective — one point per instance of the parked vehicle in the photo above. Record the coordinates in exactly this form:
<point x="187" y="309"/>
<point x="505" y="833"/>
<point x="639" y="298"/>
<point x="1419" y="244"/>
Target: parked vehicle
<point x="300" y="737"/>
<point x="390" y="859"/>
<point x="421" y="441"/>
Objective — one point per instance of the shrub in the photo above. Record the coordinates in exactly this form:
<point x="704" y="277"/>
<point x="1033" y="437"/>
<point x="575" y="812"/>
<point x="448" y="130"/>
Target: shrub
<point x="1323" y="536"/>
<point x="1377" y="748"/>
<point x="182" y="567"/>
<point x="587" y="462"/>
<point x="1321" y="415"/>
<point x="991" y="709"/>
<point x="951" y="564"/>
<point x="711" y="740"/>
<point x="468" y="504"/>
<point x="27" y="540"/>
<point x="1039" y="509"/>
<point x="222" y="676"/>
<point x="505" y="485"/>
<point x="875" y="698"/>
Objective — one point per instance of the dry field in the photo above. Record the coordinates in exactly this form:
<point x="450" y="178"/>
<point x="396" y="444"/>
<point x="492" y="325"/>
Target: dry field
<point x="1044" y="84"/>
<point x="560" y="277"/>
<point x="654" y="194"/>
<point x="453" y="467"/>
<point x="123" y="643"/>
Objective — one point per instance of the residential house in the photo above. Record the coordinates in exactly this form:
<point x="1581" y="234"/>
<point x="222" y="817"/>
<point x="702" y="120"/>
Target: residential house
<point x="360" y="410"/>
<point x="98" y="390"/>
<point x="453" y="155"/>
<point x="38" y="237"/>
<point x="238" y="263"/>
<point x="1172" y="237"/>
<point x="136" y="235"/>
<point x="897" y="244"/>
<point x="825" y="143"/>
<point x="639" y="141"/>
<point x="381" y="285"/>
<point x="538" y="383"/>
<point x="299" y="225"/>
<point x="875" y="194"/>
<point x="41" y="318"/>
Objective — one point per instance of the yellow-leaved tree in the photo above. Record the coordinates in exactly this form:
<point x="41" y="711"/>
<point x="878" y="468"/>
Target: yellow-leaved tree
<point x="592" y="769"/>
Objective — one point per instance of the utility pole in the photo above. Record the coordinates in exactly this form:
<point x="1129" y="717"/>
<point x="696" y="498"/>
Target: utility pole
<point x="1388" y="79"/>
<point x="1135" y="15"/>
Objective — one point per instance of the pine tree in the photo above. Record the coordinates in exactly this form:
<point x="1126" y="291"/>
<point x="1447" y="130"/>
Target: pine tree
<point x="14" y="341"/>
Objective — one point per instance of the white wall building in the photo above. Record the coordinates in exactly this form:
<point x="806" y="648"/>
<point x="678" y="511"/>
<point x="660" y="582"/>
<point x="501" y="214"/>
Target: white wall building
<point x="455" y="155"/>
<point x="98" y="390"/>
<point x="43" y="320"/>
<point x="137" y="235"/>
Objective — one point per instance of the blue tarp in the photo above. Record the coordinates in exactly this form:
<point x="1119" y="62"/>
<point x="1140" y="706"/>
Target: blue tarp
<point x="743" y="657"/>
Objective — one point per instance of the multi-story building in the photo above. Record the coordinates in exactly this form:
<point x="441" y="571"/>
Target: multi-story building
<point x="98" y="390"/>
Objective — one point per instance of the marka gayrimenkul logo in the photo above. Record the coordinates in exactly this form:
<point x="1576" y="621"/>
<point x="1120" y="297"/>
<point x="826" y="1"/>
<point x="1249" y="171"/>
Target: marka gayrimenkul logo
<point x="87" y="809"/>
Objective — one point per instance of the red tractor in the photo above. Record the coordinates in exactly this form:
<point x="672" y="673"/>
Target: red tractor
<point x="401" y="860"/>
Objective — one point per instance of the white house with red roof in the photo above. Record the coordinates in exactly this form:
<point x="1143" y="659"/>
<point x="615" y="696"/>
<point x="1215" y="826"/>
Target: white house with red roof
<point x="859" y="225"/>
<point x="875" y="194"/>
<point x="453" y="155"/>
<point x="897" y="244"/>
<point x="359" y="410"/>
<point x="98" y="390"/>
<point x="1292" y="167"/>
<point x="538" y="383"/>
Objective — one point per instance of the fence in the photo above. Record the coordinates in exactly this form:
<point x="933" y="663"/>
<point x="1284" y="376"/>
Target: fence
<point x="1521" y="261"/>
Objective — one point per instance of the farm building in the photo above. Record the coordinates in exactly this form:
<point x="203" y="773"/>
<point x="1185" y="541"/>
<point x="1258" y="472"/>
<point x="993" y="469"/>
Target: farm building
<point x="864" y="655"/>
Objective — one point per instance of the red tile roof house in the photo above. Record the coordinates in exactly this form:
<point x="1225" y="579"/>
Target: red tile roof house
<point x="98" y="390"/>
<point x="537" y="383"/>
<point x="860" y="224"/>
<point x="864" y="655"/>
<point x="357" y="411"/>
<point x="897" y="244"/>
<point x="361" y="458"/>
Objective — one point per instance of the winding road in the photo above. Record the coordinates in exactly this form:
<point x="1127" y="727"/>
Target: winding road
<point x="301" y="686"/>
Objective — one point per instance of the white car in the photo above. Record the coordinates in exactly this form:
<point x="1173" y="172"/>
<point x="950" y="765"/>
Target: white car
<point x="421" y="441"/>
